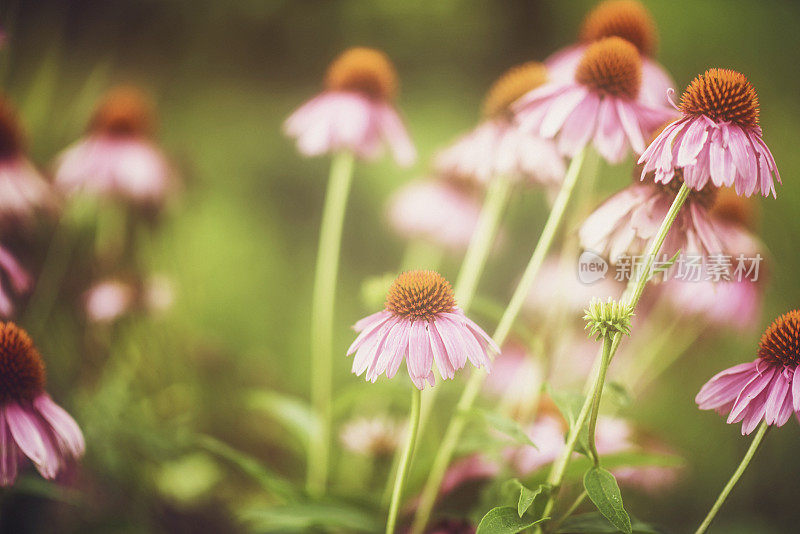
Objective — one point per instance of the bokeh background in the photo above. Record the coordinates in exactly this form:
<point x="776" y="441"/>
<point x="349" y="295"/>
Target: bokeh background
<point x="240" y="242"/>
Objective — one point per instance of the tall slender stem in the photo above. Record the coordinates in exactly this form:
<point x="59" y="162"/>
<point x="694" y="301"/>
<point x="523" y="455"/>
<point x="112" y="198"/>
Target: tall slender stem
<point x="482" y="240"/>
<point x="633" y="292"/>
<point x="762" y="430"/>
<point x="473" y="387"/>
<point x="405" y="461"/>
<point x="322" y="312"/>
<point x="597" y="395"/>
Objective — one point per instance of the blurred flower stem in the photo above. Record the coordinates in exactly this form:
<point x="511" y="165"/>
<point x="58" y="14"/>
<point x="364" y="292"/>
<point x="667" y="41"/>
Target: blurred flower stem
<point x="762" y="430"/>
<point x="632" y="293"/>
<point x="322" y="311"/>
<point x="405" y="460"/>
<point x="473" y="387"/>
<point x="597" y="394"/>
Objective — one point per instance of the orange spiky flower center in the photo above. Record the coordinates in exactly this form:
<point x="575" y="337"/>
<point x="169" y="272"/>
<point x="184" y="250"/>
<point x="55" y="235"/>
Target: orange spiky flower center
<point x="363" y="70"/>
<point x="513" y="84"/>
<point x="22" y="372"/>
<point x="722" y="95"/>
<point x="780" y="344"/>
<point x="124" y="112"/>
<point x="11" y="138"/>
<point x="611" y="66"/>
<point x="627" y="19"/>
<point x="420" y="295"/>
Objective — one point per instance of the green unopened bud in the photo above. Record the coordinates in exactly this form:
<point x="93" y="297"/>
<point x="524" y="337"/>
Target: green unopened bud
<point x="606" y="318"/>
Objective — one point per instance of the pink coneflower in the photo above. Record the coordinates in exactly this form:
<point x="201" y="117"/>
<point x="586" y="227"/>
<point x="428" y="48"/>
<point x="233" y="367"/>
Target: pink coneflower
<point x="767" y="388"/>
<point x="626" y="224"/>
<point x="631" y="21"/>
<point x="31" y="424"/>
<point x="601" y="104"/>
<point x="372" y="436"/>
<point x="420" y="322"/>
<point x="23" y="191"/>
<point x="497" y="147"/>
<point x="717" y="138"/>
<point x="18" y="278"/>
<point x="443" y="212"/>
<point x="117" y="158"/>
<point x="355" y="112"/>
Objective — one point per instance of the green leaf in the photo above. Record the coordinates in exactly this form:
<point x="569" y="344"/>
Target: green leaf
<point x="304" y="517"/>
<point x="294" y="414"/>
<point x="249" y="465"/>
<point x="569" y="403"/>
<point x="507" y="426"/>
<point x="505" y="520"/>
<point x="527" y="496"/>
<point x="595" y="523"/>
<point x="602" y="488"/>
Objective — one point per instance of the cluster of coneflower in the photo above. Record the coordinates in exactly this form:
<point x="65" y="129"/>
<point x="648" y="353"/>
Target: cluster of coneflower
<point x="116" y="168"/>
<point x="599" y="100"/>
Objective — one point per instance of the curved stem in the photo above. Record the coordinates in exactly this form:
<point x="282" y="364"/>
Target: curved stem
<point x="322" y="316"/>
<point x="596" y="396"/>
<point x="633" y="292"/>
<point x="458" y="421"/>
<point x="762" y="430"/>
<point x="405" y="461"/>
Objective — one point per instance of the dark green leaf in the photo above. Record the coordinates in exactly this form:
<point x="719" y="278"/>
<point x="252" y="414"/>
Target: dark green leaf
<point x="505" y="425"/>
<point x="505" y="520"/>
<point x="309" y="516"/>
<point x="602" y="488"/>
<point x="526" y="495"/>
<point x="595" y="523"/>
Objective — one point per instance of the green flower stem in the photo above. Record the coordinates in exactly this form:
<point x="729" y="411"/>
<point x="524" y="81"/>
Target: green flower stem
<point x="762" y="430"/>
<point x="480" y="245"/>
<point x="633" y="292"/>
<point x="571" y="510"/>
<point x="341" y="177"/>
<point x="405" y="460"/>
<point x="475" y="382"/>
<point x="596" y="396"/>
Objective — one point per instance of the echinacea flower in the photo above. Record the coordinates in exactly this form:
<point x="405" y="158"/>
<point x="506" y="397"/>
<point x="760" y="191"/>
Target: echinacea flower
<point x="600" y="105"/>
<point x="355" y="112"/>
<point x="496" y="147"/>
<point x="17" y="277"/>
<point x="422" y="323"/>
<point x="31" y="424"/>
<point x="443" y="212"/>
<point x="631" y="21"/>
<point x="767" y="388"/>
<point x="117" y="157"/>
<point x="372" y="436"/>
<point x="627" y="223"/>
<point x="717" y="138"/>
<point x="23" y="190"/>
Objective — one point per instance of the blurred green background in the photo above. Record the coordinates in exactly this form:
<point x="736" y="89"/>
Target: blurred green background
<point x="240" y="245"/>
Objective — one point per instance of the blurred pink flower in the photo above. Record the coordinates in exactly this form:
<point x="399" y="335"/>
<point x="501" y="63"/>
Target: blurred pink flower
<point x="109" y="300"/>
<point x="23" y="191"/>
<point x="600" y="105"/>
<point x="372" y="436"/>
<point x="718" y="137"/>
<point x="439" y="211"/>
<point x="631" y="21"/>
<point x="31" y="424"/>
<point x="19" y="280"/>
<point x="354" y="113"/>
<point x="421" y="322"/>
<point x="117" y="158"/>
<point x="627" y="223"/>
<point x="516" y="379"/>
<point x="767" y="388"/>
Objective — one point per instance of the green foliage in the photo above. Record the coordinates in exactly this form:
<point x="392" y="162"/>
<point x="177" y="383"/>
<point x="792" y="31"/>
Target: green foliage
<point x="505" y="520"/>
<point x="595" y="523"/>
<point x="502" y="424"/>
<point x="602" y="489"/>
